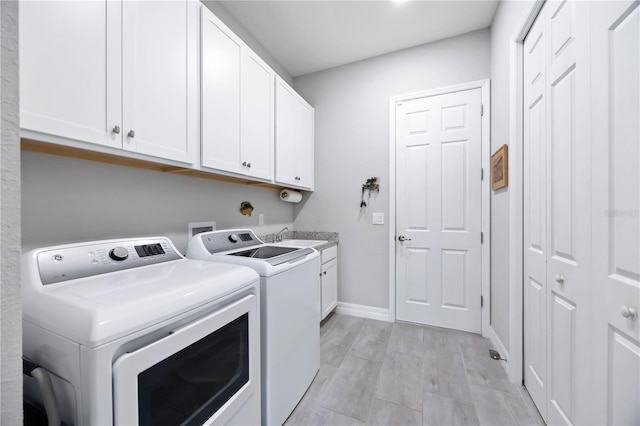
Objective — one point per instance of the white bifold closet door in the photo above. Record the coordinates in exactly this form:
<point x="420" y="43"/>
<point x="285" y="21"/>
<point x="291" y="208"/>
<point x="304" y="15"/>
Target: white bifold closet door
<point x="615" y="124"/>
<point x="557" y="212"/>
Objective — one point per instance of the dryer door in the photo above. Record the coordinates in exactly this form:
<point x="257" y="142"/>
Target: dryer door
<point x="202" y="373"/>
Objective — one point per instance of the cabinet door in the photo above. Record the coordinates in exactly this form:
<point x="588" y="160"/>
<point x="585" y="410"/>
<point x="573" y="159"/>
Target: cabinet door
<point x="221" y="51"/>
<point x="256" y="121"/>
<point x="303" y="144"/>
<point x="70" y="70"/>
<point x="159" y="69"/>
<point x="329" y="287"/>
<point x="285" y="137"/>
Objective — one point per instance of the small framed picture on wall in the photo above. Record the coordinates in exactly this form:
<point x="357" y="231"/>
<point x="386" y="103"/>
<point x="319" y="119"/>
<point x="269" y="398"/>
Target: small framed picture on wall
<point x="499" y="168"/>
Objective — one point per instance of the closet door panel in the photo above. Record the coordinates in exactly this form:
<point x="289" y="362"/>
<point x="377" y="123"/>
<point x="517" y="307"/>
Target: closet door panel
<point x="568" y="212"/>
<point x="616" y="206"/>
<point x="535" y="233"/>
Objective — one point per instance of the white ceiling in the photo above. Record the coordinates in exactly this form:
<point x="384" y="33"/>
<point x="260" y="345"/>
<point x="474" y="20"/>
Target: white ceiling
<point x="306" y="36"/>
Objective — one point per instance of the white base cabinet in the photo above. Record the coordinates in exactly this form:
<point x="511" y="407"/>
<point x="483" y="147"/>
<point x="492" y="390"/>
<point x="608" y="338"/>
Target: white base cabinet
<point x="329" y="281"/>
<point x="121" y="75"/>
<point x="294" y="138"/>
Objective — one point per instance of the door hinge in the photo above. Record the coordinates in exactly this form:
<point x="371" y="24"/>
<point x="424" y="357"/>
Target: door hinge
<point x="481" y="237"/>
<point x="481" y="301"/>
<point x="481" y="110"/>
<point x="482" y="174"/>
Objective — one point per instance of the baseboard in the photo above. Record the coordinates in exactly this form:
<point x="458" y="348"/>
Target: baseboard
<point x="499" y="346"/>
<point x="363" y="311"/>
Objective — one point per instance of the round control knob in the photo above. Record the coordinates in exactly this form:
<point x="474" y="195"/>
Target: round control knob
<point x="233" y="238"/>
<point x="119" y="253"/>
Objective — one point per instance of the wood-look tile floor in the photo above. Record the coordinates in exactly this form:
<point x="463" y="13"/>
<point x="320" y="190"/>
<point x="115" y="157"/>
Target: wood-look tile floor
<point x="379" y="373"/>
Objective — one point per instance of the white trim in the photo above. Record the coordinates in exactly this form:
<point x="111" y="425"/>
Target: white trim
<point x="486" y="207"/>
<point x="516" y="105"/>
<point x="484" y="86"/>
<point x="497" y="345"/>
<point x="363" y="311"/>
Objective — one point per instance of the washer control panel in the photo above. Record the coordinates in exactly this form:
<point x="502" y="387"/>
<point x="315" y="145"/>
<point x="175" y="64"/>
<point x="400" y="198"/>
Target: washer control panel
<point x="218" y="241"/>
<point x="63" y="263"/>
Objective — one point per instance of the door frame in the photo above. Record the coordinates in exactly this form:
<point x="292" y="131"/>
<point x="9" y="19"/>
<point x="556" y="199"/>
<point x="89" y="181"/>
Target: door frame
<point x="515" y="357"/>
<point x="485" y="90"/>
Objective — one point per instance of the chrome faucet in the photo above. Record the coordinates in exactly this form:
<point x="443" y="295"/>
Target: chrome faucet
<point x="278" y="236"/>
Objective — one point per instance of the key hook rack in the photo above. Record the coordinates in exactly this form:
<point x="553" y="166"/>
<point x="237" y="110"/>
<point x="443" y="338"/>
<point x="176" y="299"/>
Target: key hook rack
<point x="371" y="185"/>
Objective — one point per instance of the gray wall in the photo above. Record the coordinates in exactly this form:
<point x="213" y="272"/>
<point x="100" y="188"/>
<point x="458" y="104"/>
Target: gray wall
<point x="502" y="30"/>
<point x="10" y="301"/>
<point x="67" y="200"/>
<point x="352" y="144"/>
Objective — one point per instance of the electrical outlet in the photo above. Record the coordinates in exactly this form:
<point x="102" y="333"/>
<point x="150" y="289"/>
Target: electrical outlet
<point x="261" y="219"/>
<point x="378" y="219"/>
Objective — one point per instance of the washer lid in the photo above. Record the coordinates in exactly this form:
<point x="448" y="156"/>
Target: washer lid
<point x="96" y="310"/>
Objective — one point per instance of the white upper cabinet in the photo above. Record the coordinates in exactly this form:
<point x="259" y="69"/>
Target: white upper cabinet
<point x="116" y="74"/>
<point x="160" y="78"/>
<point x="294" y="138"/>
<point x="237" y="104"/>
<point x="220" y="61"/>
<point x="70" y="70"/>
<point x="257" y="116"/>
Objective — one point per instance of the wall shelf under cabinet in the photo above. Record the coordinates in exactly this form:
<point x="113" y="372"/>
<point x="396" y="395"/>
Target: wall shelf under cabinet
<point x="101" y="157"/>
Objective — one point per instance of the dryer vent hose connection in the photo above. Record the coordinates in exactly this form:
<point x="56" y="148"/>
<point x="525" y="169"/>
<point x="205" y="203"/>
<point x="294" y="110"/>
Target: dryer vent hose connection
<point x="43" y="379"/>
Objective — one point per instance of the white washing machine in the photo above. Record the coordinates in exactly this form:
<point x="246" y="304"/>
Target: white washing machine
<point x="290" y="312"/>
<point x="130" y="332"/>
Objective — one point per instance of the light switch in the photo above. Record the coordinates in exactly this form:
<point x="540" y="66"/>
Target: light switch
<point x="378" y="219"/>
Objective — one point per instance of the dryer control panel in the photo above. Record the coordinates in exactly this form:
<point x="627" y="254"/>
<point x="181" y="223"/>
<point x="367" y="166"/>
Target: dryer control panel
<point x="69" y="262"/>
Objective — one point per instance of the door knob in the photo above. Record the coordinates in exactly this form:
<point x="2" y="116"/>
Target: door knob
<point x="628" y="312"/>
<point x="402" y="238"/>
<point x="559" y="279"/>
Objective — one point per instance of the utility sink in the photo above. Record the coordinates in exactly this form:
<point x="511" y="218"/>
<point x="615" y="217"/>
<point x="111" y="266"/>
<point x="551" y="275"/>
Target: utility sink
<point x="302" y="243"/>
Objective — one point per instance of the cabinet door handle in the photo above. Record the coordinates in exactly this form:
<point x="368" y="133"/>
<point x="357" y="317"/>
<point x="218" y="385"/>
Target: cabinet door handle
<point x="249" y="165"/>
<point x="116" y="130"/>
<point x="244" y="164"/>
<point x="559" y="279"/>
<point x="325" y="272"/>
<point x="627" y="312"/>
<point x="131" y="134"/>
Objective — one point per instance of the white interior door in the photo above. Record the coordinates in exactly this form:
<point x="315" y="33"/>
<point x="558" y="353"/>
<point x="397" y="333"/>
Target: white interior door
<point x="557" y="212"/>
<point x="534" y="220"/>
<point x="568" y="212"/>
<point x="438" y="209"/>
<point x="615" y="32"/>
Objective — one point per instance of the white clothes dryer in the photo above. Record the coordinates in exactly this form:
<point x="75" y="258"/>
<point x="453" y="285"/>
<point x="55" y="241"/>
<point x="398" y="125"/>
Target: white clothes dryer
<point x="130" y="332"/>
